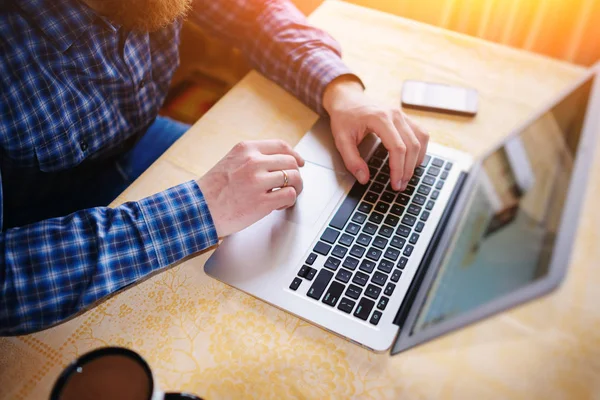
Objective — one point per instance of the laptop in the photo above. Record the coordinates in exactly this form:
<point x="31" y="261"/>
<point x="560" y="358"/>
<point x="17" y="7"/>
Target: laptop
<point x="468" y="238"/>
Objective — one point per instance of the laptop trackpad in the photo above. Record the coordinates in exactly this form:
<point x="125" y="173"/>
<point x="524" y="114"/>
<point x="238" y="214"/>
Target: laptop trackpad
<point x="321" y="185"/>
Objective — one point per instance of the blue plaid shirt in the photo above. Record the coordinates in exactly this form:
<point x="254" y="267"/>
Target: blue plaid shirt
<point x="73" y="85"/>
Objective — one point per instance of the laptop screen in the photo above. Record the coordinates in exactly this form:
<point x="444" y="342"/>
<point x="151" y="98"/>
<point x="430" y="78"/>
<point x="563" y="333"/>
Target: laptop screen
<point x="506" y="237"/>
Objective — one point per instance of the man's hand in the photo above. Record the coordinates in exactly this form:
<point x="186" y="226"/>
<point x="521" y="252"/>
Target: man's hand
<point x="239" y="189"/>
<point x="353" y="115"/>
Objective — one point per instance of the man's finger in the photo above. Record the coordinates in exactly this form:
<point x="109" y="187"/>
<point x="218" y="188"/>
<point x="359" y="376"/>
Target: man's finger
<point x="277" y="146"/>
<point x="413" y="148"/>
<point x="422" y="136"/>
<point x="277" y="162"/>
<point x="389" y="135"/>
<point x="276" y="179"/>
<point x="282" y="198"/>
<point x="352" y="159"/>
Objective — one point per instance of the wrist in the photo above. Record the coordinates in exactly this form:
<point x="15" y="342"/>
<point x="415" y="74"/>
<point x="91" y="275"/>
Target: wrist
<point x="339" y="89"/>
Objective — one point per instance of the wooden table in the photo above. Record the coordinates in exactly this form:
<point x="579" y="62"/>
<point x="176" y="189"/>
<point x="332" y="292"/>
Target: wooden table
<point x="204" y="337"/>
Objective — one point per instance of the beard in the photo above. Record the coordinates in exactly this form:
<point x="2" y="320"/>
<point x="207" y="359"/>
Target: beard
<point x="142" y="15"/>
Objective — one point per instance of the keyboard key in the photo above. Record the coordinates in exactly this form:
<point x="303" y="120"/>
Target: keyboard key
<point x="346" y="240"/>
<point x="370" y="228"/>
<point x="343" y="275"/>
<point x="385" y="266"/>
<point x="392" y="254"/>
<point x="371" y="197"/>
<point x="425" y="216"/>
<point x="320" y="284"/>
<point x="435" y="194"/>
<point x="374" y="254"/>
<point x="388" y="197"/>
<point x="357" y="251"/>
<point x="425" y="160"/>
<point x="378" y="278"/>
<point x="397" y="210"/>
<point x="424" y="190"/>
<point x="448" y="166"/>
<point x="413" y="238"/>
<point x="403" y="231"/>
<point x="295" y="283"/>
<point x="382" y="178"/>
<point x="444" y="175"/>
<point x="383" y="302"/>
<point x="311" y="274"/>
<point x="435" y="171"/>
<point x="396" y="275"/>
<point x="365" y="207"/>
<point x="332" y="263"/>
<point x="389" y="188"/>
<point x="363" y="239"/>
<point x="360" y="278"/>
<point x="364" y="308"/>
<point x="439" y="185"/>
<point x="409" y="220"/>
<point x="381" y="151"/>
<point x="398" y="242"/>
<point x="303" y="271"/>
<point x="419" y="227"/>
<point x="414" y="180"/>
<point x="375" y="162"/>
<point x="330" y="235"/>
<point x="375" y="318"/>
<point x="402" y="199"/>
<point x="392" y="220"/>
<point x="389" y="289"/>
<point x="430" y="204"/>
<point x="367" y="266"/>
<point x="402" y="262"/>
<point x="414" y="209"/>
<point x="352" y="228"/>
<point x="380" y="242"/>
<point x="377" y="187"/>
<point x="418" y="199"/>
<point x="353" y="291"/>
<point x="333" y="294"/>
<point x="346" y="305"/>
<point x="373" y="291"/>
<point x="347" y="206"/>
<point x="437" y="162"/>
<point x="386" y="231"/>
<point x="419" y="171"/>
<point x="429" y="180"/>
<point x="339" y="251"/>
<point x="382" y="207"/>
<point x="408" y="250"/>
<point x="322" y="248"/>
<point x="350" y="263"/>
<point x="386" y="168"/>
<point x="409" y="190"/>
<point x="311" y="259"/>
<point x="376" y="218"/>
<point x="359" y="217"/>
<point x="372" y="171"/>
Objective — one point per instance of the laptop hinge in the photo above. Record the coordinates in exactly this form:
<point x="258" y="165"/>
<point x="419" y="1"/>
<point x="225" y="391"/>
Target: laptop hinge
<point x="429" y="253"/>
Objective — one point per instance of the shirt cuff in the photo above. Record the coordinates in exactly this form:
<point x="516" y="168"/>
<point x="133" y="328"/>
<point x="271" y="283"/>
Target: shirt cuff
<point x="323" y="67"/>
<point x="179" y="222"/>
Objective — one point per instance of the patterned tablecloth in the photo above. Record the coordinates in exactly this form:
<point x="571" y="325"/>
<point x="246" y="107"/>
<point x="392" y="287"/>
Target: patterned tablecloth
<point x="204" y="337"/>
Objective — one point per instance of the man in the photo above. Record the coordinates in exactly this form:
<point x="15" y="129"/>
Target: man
<point x="81" y="84"/>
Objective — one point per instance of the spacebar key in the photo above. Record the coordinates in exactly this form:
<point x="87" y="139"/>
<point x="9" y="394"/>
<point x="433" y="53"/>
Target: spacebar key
<point x="320" y="284"/>
<point x="348" y="206"/>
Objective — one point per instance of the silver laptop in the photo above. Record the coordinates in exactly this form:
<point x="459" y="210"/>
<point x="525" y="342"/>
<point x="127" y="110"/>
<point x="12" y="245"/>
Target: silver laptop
<point x="468" y="237"/>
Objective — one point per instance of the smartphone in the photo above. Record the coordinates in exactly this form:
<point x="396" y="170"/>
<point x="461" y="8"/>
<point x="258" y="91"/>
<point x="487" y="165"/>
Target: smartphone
<point x="439" y="97"/>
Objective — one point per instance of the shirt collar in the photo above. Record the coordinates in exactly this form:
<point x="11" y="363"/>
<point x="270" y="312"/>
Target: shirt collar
<point x="63" y="21"/>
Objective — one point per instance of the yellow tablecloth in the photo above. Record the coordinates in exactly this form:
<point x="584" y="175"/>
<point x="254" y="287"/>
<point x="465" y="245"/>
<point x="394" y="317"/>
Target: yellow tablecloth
<point x="204" y="337"/>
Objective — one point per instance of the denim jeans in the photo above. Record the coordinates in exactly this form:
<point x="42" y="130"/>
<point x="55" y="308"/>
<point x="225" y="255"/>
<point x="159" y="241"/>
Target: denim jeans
<point x="30" y="195"/>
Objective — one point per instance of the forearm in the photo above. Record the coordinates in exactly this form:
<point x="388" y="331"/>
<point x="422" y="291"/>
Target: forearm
<point x="55" y="268"/>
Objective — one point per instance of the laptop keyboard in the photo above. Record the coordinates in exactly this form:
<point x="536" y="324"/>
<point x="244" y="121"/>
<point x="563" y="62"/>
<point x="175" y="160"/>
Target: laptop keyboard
<point x="371" y="237"/>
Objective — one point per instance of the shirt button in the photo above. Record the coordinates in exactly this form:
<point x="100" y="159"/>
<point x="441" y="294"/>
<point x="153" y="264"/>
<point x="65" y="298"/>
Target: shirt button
<point x="83" y="145"/>
<point x="142" y="83"/>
